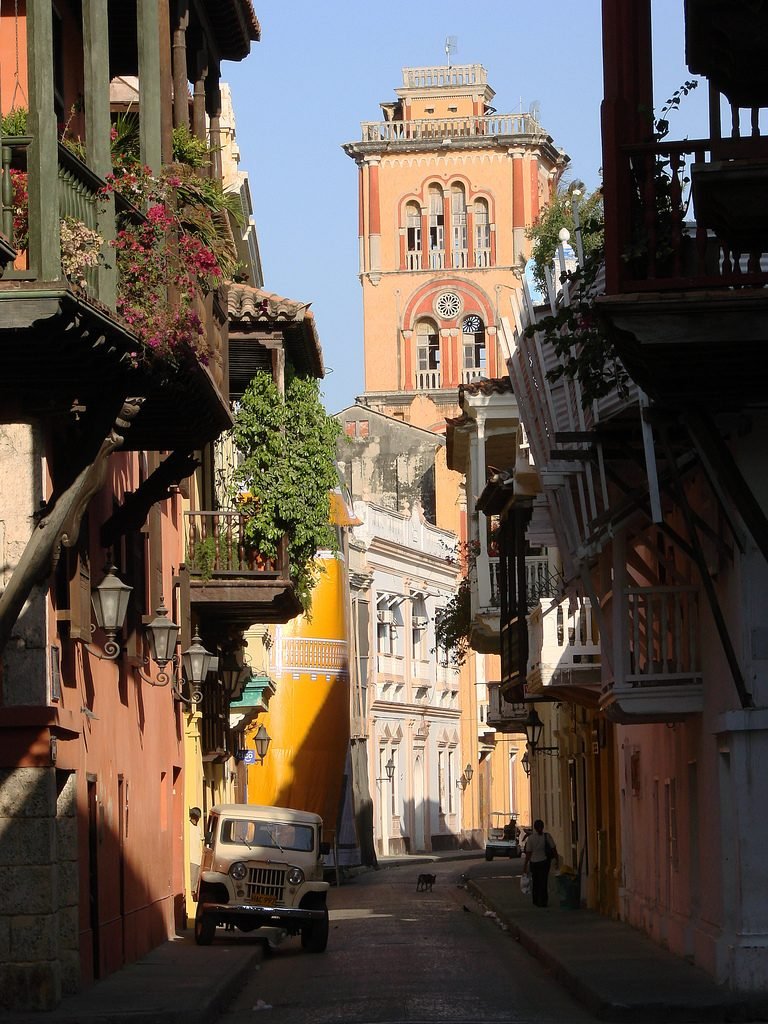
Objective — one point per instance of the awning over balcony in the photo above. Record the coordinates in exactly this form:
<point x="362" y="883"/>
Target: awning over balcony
<point x="258" y="322"/>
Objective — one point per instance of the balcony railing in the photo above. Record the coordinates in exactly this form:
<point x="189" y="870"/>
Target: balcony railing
<point x="663" y="636"/>
<point x="437" y="259"/>
<point x="468" y="374"/>
<point x="656" y="249"/>
<point x="503" y="715"/>
<point x="564" y="645"/>
<point x="439" y="75"/>
<point x="431" y="129"/>
<point x="413" y="260"/>
<point x="482" y="258"/>
<point x="216" y="545"/>
<point x="427" y="380"/>
<point x="460" y="259"/>
<point x="78" y="191"/>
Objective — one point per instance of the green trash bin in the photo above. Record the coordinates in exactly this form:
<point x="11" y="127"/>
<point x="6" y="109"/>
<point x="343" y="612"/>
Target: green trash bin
<point x="569" y="888"/>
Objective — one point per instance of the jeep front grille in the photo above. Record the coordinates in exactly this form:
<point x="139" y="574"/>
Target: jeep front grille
<point x="266" y="885"/>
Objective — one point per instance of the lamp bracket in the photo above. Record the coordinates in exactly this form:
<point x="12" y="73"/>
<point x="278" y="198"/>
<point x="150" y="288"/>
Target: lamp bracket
<point x="163" y="677"/>
<point x="194" y="698"/>
<point x="112" y="651"/>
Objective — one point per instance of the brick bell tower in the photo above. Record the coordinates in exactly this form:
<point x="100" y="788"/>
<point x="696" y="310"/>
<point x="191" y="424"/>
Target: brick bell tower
<point x="447" y="187"/>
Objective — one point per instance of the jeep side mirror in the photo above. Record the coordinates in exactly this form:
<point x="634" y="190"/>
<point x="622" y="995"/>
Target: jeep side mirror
<point x="325" y="849"/>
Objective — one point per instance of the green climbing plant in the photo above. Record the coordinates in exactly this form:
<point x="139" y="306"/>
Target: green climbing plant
<point x="287" y="469"/>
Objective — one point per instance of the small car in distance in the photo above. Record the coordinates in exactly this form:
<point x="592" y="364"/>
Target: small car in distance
<point x="261" y="867"/>
<point x="502" y="838"/>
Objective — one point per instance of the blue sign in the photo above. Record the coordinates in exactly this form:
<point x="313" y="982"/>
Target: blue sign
<point x="249" y="757"/>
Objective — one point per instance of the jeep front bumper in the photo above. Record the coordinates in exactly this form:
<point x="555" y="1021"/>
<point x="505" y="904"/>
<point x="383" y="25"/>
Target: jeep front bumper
<point x="230" y="913"/>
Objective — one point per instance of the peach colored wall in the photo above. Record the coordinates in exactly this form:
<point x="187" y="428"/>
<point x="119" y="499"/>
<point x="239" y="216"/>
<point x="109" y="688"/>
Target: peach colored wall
<point x="13" y="96"/>
<point x="135" y="734"/>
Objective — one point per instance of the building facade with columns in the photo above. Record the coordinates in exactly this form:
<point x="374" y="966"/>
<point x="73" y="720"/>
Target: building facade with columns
<point x="446" y="190"/>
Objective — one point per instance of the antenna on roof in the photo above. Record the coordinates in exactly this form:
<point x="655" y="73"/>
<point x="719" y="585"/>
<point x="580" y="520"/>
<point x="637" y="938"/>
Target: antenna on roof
<point x="534" y="109"/>
<point x="451" y="46"/>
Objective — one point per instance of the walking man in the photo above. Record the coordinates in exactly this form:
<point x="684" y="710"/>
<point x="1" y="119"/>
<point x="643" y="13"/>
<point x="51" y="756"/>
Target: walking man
<point x="540" y="851"/>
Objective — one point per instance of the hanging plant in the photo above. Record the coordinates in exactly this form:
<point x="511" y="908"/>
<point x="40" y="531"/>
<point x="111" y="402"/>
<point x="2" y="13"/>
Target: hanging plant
<point x="287" y="469"/>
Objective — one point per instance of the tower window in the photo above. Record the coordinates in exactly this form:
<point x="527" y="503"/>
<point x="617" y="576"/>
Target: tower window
<point x="427" y="356"/>
<point x="413" y="236"/>
<point x="482" y="234"/>
<point x="436" y="229"/>
<point x="458" y="226"/>
<point x="474" y="349"/>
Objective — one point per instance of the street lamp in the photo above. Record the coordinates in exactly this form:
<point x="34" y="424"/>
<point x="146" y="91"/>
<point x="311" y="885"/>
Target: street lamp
<point x="533" y="729"/>
<point x="110" y="604"/>
<point x="389" y="768"/>
<point x="196" y="661"/>
<point x="231" y="674"/>
<point x="525" y="761"/>
<point x="261" y="741"/>
<point x="162" y="634"/>
<point x="469" y="771"/>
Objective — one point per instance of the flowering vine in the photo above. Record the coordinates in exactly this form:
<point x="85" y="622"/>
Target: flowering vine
<point x="162" y="265"/>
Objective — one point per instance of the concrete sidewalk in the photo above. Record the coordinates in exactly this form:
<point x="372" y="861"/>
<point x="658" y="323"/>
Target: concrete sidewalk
<point x="611" y="968"/>
<point x="177" y="983"/>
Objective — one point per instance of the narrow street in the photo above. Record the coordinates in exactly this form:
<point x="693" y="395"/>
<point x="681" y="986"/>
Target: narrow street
<point x="398" y="955"/>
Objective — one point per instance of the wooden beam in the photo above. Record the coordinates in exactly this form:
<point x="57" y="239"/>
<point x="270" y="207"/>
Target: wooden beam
<point x="745" y="697"/>
<point x="150" y="122"/>
<point x="60" y="524"/>
<point x="97" y="132"/>
<point x="43" y="207"/>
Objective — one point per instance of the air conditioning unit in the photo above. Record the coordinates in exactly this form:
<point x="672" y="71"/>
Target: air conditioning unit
<point x="385" y="615"/>
<point x="420" y="621"/>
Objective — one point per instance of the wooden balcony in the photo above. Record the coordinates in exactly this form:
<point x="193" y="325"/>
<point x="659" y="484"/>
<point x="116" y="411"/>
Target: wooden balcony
<point x="687" y="301"/>
<point x="230" y="582"/>
<point x="656" y="655"/>
<point x="505" y="716"/>
<point x="65" y="343"/>
<point x="564" y="650"/>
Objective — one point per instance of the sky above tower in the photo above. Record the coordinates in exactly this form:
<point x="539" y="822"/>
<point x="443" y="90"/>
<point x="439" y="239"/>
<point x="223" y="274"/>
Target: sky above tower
<point x="321" y="69"/>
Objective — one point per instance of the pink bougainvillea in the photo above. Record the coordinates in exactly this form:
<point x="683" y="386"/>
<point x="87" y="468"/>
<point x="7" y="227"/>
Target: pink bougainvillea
<point x="162" y="268"/>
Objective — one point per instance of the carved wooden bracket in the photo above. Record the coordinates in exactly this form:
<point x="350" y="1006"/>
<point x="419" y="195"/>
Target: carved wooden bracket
<point x="60" y="524"/>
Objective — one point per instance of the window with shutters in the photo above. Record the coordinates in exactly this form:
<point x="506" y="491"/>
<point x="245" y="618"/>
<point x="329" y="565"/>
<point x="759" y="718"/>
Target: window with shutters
<point x="413" y="236"/>
<point x="427" y="355"/>
<point x="458" y="226"/>
<point x="482" y="234"/>
<point x="436" y="228"/>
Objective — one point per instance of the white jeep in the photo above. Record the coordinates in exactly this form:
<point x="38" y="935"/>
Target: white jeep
<point x="261" y="867"/>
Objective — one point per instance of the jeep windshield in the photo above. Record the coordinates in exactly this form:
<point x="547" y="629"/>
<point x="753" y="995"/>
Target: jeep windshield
<point x="277" y="835"/>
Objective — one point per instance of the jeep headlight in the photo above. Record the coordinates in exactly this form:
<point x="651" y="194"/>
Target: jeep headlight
<point x="238" y="871"/>
<point x="295" y="876"/>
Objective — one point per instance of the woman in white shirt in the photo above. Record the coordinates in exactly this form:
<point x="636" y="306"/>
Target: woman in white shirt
<point x="540" y="851"/>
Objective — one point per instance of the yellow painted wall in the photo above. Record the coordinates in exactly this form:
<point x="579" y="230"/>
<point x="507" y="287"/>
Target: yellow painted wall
<point x="308" y="716"/>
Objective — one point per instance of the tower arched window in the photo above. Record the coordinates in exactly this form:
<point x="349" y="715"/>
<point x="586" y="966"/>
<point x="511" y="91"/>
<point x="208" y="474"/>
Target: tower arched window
<point x="427" y="355"/>
<point x="482" y="234"/>
<point x="473" y="363"/>
<point x="458" y="225"/>
<point x="436" y="228"/>
<point x="413" y="236"/>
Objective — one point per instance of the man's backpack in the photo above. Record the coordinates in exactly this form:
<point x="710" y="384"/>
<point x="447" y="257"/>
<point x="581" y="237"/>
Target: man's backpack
<point x="550" y="850"/>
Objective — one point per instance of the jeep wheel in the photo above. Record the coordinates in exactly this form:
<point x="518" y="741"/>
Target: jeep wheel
<point x="314" y="936"/>
<point x="204" y="929"/>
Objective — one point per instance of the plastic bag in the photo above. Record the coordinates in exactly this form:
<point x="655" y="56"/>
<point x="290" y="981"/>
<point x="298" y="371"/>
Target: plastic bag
<point x="525" y="885"/>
